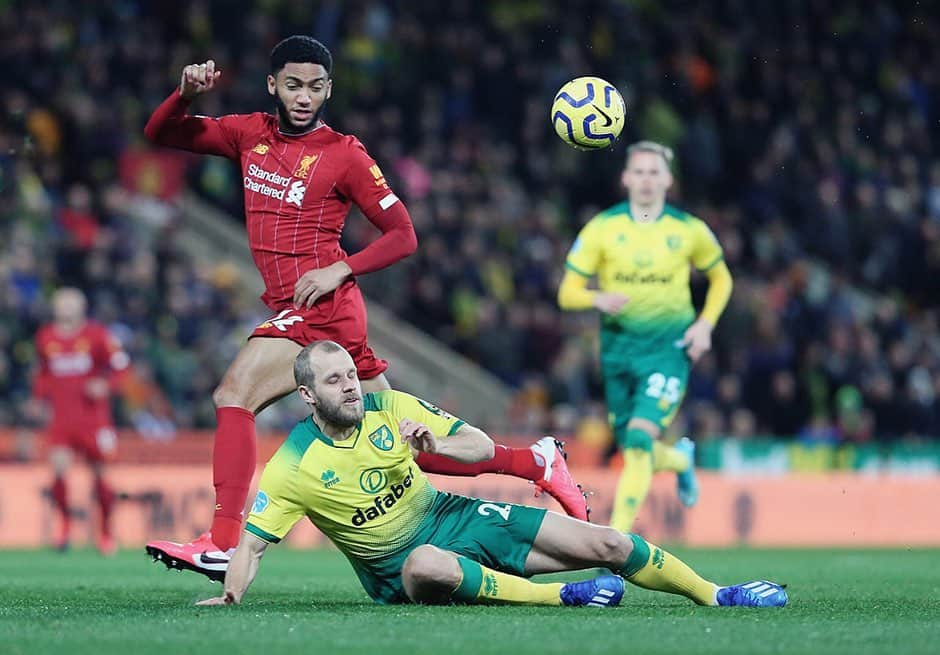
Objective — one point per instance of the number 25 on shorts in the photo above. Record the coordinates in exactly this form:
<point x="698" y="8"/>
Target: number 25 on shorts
<point x="660" y="387"/>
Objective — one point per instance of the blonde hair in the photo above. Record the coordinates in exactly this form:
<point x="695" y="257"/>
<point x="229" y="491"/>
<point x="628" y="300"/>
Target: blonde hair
<point x="651" y="146"/>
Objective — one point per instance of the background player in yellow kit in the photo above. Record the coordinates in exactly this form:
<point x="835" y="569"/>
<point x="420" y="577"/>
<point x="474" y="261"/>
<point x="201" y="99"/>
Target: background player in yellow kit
<point x="349" y="467"/>
<point x="641" y="251"/>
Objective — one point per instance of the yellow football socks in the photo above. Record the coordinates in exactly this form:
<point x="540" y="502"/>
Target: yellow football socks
<point x="668" y="458"/>
<point x="635" y="479"/>
<point x="483" y="585"/>
<point x="651" y="567"/>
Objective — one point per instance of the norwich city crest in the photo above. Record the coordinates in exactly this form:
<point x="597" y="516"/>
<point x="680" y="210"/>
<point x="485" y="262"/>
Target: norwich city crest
<point x="383" y="439"/>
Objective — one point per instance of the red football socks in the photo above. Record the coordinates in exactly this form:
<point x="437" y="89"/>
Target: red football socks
<point x="519" y="462"/>
<point x="233" y="465"/>
<point x="61" y="501"/>
<point x="105" y="496"/>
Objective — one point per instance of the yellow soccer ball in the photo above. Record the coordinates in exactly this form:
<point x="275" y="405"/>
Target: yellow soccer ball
<point x="588" y="113"/>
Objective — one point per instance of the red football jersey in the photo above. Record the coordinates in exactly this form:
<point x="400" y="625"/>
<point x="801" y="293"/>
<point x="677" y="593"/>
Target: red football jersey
<point x="298" y="190"/>
<point x="67" y="363"/>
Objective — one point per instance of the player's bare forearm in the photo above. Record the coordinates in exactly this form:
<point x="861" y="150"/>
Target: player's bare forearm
<point x="244" y="565"/>
<point x="241" y="571"/>
<point x="468" y="445"/>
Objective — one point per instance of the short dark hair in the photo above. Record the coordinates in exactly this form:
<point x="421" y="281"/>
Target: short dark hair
<point x="303" y="369"/>
<point x="300" y="49"/>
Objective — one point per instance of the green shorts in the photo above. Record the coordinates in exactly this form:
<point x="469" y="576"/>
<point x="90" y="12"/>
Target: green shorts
<point x="496" y="535"/>
<point x="648" y="383"/>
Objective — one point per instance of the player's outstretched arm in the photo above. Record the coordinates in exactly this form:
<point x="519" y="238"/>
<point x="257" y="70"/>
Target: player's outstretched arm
<point x="242" y="569"/>
<point x="171" y="126"/>
<point x="468" y="444"/>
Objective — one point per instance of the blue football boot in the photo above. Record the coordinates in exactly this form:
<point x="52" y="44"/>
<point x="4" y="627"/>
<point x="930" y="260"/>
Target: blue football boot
<point x="758" y="593"/>
<point x="686" y="481"/>
<point x="604" y="591"/>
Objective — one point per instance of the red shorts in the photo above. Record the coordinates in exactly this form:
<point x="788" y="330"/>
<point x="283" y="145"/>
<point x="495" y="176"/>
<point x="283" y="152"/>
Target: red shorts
<point x="98" y="443"/>
<point x="339" y="317"/>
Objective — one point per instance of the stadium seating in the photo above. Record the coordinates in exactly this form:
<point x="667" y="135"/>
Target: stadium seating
<point x="815" y="174"/>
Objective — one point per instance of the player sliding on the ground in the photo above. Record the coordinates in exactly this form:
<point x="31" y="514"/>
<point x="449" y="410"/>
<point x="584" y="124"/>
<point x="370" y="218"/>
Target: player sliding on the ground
<point x="300" y="179"/>
<point x="349" y="467"/>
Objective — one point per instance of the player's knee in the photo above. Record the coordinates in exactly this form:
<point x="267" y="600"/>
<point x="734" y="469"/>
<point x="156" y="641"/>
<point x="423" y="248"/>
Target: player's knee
<point x="60" y="459"/>
<point x="611" y="547"/>
<point x="230" y="394"/>
<point x="376" y="383"/>
<point x="640" y="435"/>
<point x="646" y="426"/>
<point x="430" y="575"/>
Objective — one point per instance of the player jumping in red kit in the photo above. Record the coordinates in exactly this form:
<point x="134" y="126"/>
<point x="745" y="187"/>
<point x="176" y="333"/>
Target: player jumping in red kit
<point x="300" y="178"/>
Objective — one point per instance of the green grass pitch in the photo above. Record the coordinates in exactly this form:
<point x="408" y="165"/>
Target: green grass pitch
<point x="854" y="602"/>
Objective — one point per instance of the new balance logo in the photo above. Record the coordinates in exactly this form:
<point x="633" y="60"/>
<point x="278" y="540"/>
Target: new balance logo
<point x="602" y="598"/>
<point x="282" y="321"/>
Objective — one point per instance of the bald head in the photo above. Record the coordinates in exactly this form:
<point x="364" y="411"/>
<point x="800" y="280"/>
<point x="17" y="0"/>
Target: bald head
<point x="69" y="307"/>
<point x="305" y="367"/>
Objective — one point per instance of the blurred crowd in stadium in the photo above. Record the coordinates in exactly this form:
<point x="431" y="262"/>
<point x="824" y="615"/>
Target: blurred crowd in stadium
<point x="803" y="131"/>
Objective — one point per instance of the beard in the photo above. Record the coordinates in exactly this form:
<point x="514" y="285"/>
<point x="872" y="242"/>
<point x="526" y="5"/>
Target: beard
<point x="339" y="414"/>
<point x="284" y="121"/>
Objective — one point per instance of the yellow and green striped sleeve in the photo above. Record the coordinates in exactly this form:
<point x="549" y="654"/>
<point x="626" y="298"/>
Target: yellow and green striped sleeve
<point x="584" y="257"/>
<point x="706" y="251"/>
<point x="402" y="405"/>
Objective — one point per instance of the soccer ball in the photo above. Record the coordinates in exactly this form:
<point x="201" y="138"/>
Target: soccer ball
<point x="588" y="113"/>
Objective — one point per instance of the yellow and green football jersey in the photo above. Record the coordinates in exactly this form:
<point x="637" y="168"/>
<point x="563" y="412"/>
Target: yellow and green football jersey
<point x="365" y="493"/>
<point x="649" y="263"/>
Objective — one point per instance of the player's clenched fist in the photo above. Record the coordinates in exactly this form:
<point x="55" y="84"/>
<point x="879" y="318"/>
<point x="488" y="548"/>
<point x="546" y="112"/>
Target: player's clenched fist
<point x="418" y="436"/>
<point x="198" y="78"/>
